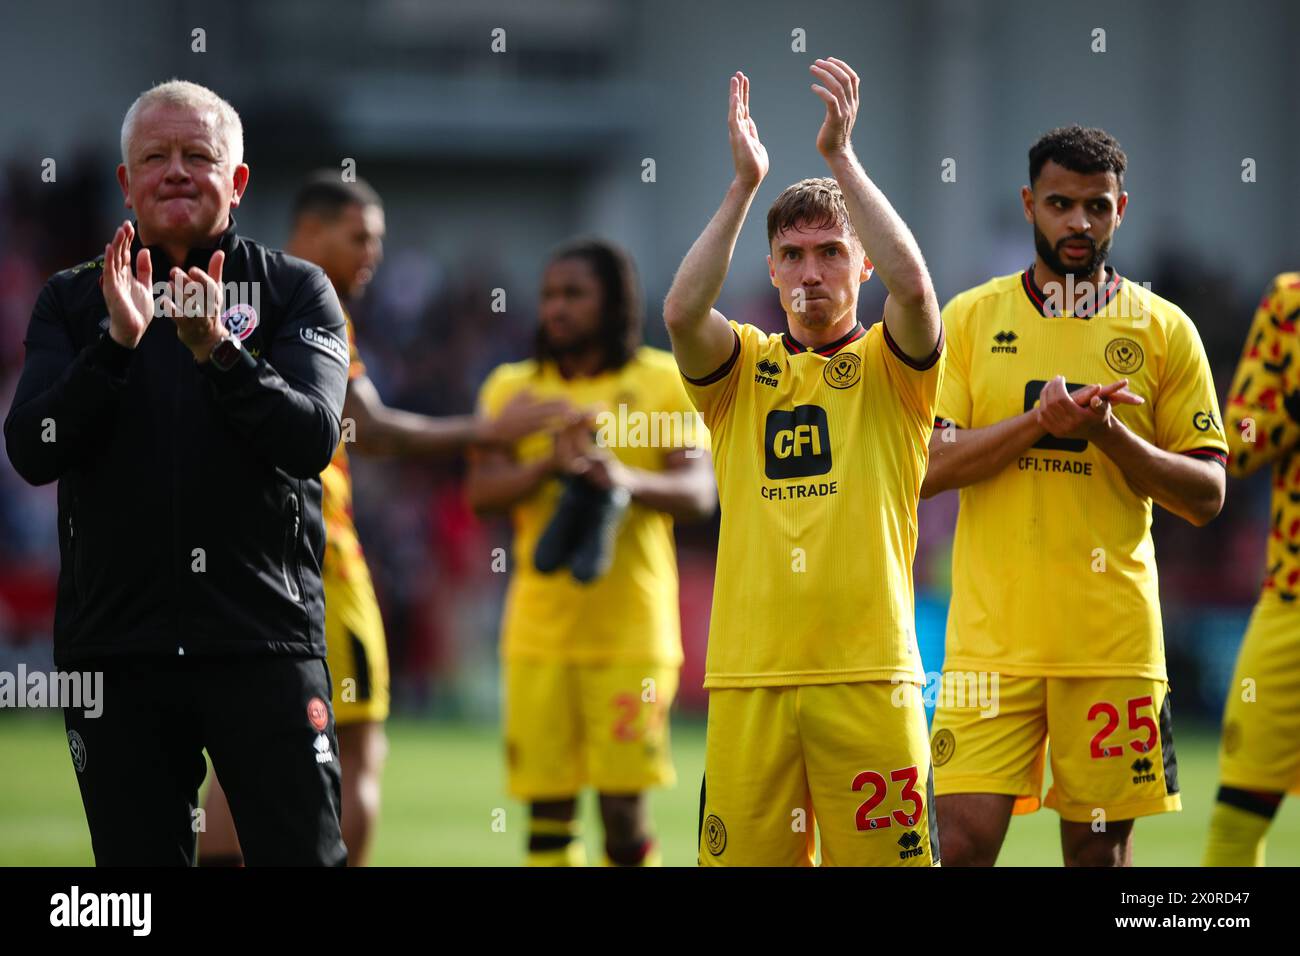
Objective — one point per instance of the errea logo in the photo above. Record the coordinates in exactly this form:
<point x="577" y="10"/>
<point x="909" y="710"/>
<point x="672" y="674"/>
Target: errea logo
<point x="767" y="372"/>
<point x="1142" y="770"/>
<point x="1003" y="342"/>
<point x="910" y="842"/>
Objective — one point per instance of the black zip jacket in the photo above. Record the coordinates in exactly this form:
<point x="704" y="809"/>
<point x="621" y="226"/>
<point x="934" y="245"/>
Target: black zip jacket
<point x="189" y="497"/>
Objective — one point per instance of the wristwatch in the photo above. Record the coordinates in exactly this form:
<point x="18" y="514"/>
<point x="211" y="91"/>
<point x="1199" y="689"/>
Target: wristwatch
<point x="225" y="353"/>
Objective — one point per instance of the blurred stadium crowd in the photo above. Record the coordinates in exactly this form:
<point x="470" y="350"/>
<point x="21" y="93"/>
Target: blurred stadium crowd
<point x="429" y="337"/>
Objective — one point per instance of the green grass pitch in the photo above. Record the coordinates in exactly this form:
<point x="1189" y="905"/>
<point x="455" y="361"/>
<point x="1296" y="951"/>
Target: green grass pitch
<point x="443" y="792"/>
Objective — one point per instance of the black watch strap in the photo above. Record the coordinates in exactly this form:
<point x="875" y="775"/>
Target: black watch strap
<point x="225" y="354"/>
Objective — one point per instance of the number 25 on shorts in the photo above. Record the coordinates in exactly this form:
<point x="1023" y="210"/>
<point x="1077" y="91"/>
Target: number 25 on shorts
<point x="1136" y="721"/>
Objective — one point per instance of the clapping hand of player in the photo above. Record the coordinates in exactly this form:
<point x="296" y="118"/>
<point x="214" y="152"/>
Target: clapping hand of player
<point x="569" y="444"/>
<point x="129" y="297"/>
<point x="198" y="316"/>
<point x="603" y="469"/>
<point x="1084" y="413"/>
<point x="840" y="94"/>
<point x="577" y="453"/>
<point x="747" y="152"/>
<point x="525" y="414"/>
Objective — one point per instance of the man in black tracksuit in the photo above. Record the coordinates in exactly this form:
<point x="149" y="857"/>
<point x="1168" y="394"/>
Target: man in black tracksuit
<point x="187" y="430"/>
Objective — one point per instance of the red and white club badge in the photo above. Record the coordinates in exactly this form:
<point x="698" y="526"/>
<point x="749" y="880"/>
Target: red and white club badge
<point x="318" y="713"/>
<point x="240" y="320"/>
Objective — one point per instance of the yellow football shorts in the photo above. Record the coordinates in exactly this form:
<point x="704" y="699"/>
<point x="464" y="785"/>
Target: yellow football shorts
<point x="850" y="758"/>
<point x="355" y="648"/>
<point x="570" y="726"/>
<point x="1111" y="748"/>
<point x="1260" y="747"/>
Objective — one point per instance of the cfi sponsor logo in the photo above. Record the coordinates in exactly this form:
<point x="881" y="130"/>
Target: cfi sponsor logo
<point x="797" y="442"/>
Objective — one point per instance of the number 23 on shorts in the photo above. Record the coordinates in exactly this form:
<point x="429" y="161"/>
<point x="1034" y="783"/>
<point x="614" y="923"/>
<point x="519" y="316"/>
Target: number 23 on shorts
<point x="907" y="776"/>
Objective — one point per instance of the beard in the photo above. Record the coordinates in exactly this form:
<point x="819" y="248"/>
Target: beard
<point x="572" y="344"/>
<point x="1052" y="258"/>
<point x="821" y="316"/>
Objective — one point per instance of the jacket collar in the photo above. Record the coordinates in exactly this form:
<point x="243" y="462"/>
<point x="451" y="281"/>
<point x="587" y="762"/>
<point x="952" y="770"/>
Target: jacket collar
<point x="200" y="256"/>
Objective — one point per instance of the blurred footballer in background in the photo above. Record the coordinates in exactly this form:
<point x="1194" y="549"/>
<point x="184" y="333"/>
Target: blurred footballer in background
<point x="339" y="226"/>
<point x="591" y="632"/>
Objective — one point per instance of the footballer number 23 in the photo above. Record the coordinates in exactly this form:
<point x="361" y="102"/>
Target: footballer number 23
<point x="907" y="777"/>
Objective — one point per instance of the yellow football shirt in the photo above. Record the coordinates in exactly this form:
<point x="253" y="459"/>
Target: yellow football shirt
<point x="1264" y="425"/>
<point x="343" y="556"/>
<point x="631" y="613"/>
<point x="1054" y="570"/>
<point x="819" y="456"/>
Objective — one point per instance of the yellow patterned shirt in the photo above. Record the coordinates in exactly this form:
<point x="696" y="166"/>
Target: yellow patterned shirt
<point x="1263" y="425"/>
<point x="343" y="557"/>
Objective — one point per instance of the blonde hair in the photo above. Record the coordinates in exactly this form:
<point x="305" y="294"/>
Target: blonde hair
<point x="191" y="96"/>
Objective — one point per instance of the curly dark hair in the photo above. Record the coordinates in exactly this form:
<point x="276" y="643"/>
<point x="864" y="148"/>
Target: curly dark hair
<point x="1079" y="149"/>
<point x="622" y="309"/>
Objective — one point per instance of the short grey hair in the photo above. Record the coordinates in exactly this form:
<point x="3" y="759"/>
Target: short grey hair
<point x="195" y="97"/>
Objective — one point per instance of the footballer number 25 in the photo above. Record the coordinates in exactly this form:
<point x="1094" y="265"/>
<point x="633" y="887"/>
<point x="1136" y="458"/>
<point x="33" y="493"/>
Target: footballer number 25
<point x="907" y="776"/>
<point x="1136" y="721"/>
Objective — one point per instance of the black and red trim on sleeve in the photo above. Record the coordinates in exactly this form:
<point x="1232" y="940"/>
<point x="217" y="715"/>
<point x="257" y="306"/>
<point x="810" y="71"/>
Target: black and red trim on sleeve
<point x="1210" y="454"/>
<point x="722" y="370"/>
<point x="923" y="364"/>
<point x="1039" y="298"/>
